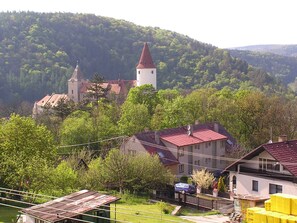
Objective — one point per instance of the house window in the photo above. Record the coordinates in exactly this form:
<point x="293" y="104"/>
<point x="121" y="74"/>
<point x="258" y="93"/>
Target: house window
<point x="181" y="168"/>
<point x="274" y="188"/>
<point x="208" y="144"/>
<point x="181" y="151"/>
<point x="207" y="160"/>
<point x="222" y="143"/>
<point x="197" y="162"/>
<point x="131" y="152"/>
<point x="197" y="146"/>
<point x="222" y="161"/>
<point x="255" y="185"/>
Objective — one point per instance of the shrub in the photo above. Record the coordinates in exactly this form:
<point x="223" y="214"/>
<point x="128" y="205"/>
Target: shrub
<point x="184" y="179"/>
<point x="203" y="178"/>
<point x="164" y="207"/>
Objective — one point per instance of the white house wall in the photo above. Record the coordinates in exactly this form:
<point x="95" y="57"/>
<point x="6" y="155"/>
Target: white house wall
<point x="244" y="185"/>
<point x="28" y="219"/>
<point x="202" y="157"/>
<point x="133" y="145"/>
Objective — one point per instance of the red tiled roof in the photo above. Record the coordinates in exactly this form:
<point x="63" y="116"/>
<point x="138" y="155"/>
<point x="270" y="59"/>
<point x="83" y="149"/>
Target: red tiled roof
<point x="285" y="153"/>
<point x="147" y="140"/>
<point x="145" y="60"/>
<point x="52" y="100"/>
<point x="117" y="86"/>
<point x="198" y="136"/>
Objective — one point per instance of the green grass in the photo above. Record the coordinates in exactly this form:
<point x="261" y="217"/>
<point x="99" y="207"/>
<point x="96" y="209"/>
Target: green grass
<point x="142" y="213"/>
<point x="187" y="211"/>
<point x="7" y="214"/>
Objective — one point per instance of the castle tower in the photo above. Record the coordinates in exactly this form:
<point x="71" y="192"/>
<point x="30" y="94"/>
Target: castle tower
<point x="75" y="84"/>
<point x="146" y="71"/>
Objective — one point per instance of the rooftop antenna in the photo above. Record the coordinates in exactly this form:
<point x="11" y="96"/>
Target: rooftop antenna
<point x="270" y="141"/>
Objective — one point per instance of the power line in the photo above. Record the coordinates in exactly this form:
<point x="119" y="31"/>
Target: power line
<point x="7" y="190"/>
<point x="88" y="143"/>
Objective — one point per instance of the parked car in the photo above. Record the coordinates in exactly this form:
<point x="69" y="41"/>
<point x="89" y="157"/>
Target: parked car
<point x="185" y="188"/>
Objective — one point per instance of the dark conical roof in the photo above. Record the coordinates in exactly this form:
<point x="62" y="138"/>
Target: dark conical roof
<point x="145" y="60"/>
<point x="77" y="74"/>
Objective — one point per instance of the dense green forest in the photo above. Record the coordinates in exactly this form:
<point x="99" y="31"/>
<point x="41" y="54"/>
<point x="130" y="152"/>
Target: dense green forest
<point x="280" y="66"/>
<point x="38" y="52"/>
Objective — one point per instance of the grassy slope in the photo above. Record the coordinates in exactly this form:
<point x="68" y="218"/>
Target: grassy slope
<point x="144" y="213"/>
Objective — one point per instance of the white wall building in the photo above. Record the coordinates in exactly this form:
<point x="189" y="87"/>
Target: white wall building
<point x="268" y="169"/>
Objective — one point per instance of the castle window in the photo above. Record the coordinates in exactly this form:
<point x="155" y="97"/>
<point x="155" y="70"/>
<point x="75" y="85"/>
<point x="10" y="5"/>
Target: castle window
<point x="139" y="72"/>
<point x="152" y="71"/>
<point x="72" y="91"/>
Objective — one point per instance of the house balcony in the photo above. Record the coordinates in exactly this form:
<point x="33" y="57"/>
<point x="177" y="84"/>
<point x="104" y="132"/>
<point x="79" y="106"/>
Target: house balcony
<point x="267" y="174"/>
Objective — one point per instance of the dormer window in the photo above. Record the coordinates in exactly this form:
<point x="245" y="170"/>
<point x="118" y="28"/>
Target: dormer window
<point x="268" y="164"/>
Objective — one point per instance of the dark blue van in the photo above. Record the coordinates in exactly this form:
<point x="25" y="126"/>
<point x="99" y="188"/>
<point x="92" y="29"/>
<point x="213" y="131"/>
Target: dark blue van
<point x="185" y="188"/>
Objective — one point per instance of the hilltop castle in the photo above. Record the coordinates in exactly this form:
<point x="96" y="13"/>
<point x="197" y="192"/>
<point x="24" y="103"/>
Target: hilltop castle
<point x="146" y="73"/>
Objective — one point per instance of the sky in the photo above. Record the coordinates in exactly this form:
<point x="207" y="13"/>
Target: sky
<point x="221" y="23"/>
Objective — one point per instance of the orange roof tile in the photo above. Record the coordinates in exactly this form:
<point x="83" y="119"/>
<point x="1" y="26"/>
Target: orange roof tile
<point x="199" y="136"/>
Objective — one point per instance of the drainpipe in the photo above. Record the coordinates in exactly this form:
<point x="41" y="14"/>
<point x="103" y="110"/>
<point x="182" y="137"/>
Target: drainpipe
<point x="238" y="168"/>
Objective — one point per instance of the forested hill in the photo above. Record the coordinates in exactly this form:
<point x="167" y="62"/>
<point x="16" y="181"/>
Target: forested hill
<point x="38" y="52"/>
<point x="283" y="50"/>
<point x="283" y="67"/>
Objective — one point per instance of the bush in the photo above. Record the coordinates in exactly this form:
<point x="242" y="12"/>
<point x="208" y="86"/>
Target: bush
<point x="221" y="184"/>
<point x="164" y="207"/>
<point x="203" y="178"/>
<point x="184" y="179"/>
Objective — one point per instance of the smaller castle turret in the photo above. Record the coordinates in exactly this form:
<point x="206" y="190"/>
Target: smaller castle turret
<point x="75" y="84"/>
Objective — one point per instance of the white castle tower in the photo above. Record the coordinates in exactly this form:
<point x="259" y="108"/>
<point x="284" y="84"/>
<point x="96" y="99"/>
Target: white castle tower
<point x="146" y="70"/>
<point x="75" y="84"/>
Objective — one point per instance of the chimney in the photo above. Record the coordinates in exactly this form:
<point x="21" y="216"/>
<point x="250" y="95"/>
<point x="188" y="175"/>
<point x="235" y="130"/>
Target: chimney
<point x="216" y="127"/>
<point x="157" y="137"/>
<point x="190" y="130"/>
<point x="282" y="138"/>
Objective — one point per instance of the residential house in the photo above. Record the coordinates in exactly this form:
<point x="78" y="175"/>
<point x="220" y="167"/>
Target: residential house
<point x="270" y="168"/>
<point x="185" y="149"/>
<point x="81" y="206"/>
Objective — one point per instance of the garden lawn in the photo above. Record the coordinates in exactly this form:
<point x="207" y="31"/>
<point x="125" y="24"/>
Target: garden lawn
<point x="8" y="214"/>
<point x="144" y="213"/>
